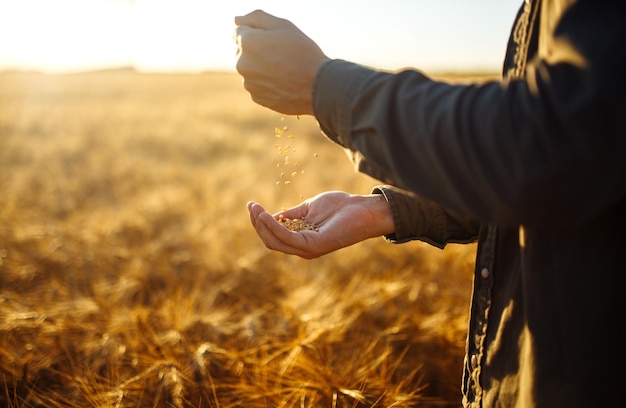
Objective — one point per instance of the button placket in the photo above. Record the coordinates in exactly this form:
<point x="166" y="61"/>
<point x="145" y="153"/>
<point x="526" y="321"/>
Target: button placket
<point x="481" y="303"/>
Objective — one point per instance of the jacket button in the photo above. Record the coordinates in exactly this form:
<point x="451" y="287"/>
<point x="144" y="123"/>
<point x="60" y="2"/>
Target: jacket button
<point x="474" y="361"/>
<point x="484" y="273"/>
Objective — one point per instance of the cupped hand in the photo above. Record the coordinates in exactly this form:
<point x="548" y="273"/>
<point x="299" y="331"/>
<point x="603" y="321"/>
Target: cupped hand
<point x="278" y="62"/>
<point x="342" y="219"/>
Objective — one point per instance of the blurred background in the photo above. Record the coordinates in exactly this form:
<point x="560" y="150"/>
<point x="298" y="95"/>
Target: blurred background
<point x="129" y="273"/>
<point x="196" y="35"/>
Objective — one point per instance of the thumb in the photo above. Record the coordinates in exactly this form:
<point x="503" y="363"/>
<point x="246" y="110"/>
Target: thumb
<point x="258" y="19"/>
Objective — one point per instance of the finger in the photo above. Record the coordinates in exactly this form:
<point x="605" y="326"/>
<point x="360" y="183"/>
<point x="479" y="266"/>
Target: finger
<point x="244" y="34"/>
<point x="266" y="226"/>
<point x="249" y="205"/>
<point x="249" y="43"/>
<point x="275" y="233"/>
<point x="299" y="211"/>
<point x="249" y="18"/>
<point x="254" y="209"/>
<point x="279" y="238"/>
<point x="276" y="237"/>
<point x="258" y="19"/>
<point x="237" y="37"/>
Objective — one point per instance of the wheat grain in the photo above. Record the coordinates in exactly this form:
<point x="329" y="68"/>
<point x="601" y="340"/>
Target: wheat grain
<point x="297" y="224"/>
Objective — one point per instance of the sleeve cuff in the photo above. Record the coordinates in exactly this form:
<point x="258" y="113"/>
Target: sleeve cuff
<point x="401" y="212"/>
<point x="414" y="218"/>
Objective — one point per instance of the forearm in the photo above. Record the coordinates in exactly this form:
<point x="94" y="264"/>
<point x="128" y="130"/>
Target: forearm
<point x="490" y="150"/>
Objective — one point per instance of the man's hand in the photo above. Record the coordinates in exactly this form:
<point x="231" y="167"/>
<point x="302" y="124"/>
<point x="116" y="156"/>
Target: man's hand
<point x="342" y="219"/>
<point x="278" y="62"/>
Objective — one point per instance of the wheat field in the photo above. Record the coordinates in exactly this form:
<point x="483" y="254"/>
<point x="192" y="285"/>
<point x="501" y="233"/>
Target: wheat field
<point x="130" y="275"/>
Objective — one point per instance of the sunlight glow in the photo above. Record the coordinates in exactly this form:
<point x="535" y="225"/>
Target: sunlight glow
<point x="64" y="34"/>
<point x="196" y="35"/>
<point x="160" y="35"/>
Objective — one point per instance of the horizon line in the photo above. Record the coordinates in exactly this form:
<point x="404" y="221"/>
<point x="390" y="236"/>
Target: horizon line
<point x="134" y="69"/>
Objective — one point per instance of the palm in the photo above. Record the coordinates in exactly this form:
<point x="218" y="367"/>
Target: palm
<point x="342" y="220"/>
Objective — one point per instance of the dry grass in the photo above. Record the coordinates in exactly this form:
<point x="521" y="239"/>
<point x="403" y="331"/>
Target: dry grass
<point x="130" y="276"/>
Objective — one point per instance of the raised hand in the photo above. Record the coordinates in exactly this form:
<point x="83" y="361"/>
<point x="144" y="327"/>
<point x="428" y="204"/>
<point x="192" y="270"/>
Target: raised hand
<point x="342" y="219"/>
<point x="278" y="62"/>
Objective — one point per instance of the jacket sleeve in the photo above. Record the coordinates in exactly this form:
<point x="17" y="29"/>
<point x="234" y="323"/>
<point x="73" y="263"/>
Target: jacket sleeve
<point x="416" y="218"/>
<point x="546" y="150"/>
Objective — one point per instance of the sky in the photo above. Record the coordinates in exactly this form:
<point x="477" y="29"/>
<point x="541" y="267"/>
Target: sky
<point x="196" y="35"/>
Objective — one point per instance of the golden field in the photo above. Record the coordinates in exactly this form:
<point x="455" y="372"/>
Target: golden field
<point x="130" y="275"/>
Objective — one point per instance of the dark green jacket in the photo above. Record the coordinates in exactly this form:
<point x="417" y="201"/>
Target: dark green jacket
<point x="534" y="167"/>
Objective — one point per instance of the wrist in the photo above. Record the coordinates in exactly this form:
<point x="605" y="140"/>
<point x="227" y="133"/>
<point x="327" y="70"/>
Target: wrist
<point x="382" y="214"/>
<point x="315" y="68"/>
